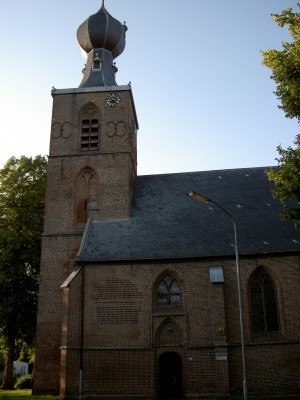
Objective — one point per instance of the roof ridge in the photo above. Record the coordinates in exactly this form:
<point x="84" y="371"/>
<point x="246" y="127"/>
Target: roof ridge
<point x="211" y="170"/>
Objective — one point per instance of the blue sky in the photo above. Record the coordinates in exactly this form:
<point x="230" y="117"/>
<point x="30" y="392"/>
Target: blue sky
<point x="204" y="101"/>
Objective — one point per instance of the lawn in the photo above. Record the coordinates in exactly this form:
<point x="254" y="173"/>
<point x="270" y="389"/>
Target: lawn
<point x="26" y="394"/>
<point x="22" y="394"/>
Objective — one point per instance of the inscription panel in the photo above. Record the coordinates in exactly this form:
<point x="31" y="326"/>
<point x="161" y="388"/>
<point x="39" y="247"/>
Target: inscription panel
<point x="116" y="308"/>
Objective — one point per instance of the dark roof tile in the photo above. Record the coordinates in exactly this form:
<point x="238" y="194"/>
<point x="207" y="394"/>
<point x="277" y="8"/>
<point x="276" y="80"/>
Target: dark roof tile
<point x="166" y="223"/>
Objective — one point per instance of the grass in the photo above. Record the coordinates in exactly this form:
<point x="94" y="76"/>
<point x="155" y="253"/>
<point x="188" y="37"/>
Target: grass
<point x="26" y="394"/>
<point x="22" y="394"/>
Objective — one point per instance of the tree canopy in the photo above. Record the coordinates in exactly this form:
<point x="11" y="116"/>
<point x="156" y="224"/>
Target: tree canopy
<point x="287" y="181"/>
<point x="22" y="194"/>
<point x="285" y="66"/>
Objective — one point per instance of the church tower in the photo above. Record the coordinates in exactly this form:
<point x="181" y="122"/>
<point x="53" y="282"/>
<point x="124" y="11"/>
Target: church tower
<point x="92" y="165"/>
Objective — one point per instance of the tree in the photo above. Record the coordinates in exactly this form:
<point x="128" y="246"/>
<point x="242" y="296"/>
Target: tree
<point x="285" y="66"/>
<point x="22" y="194"/>
<point x="287" y="181"/>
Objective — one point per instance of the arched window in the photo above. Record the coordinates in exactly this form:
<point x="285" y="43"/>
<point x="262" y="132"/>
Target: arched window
<point x="264" y="310"/>
<point x="168" y="291"/>
<point x="87" y="194"/>
<point x="89" y="130"/>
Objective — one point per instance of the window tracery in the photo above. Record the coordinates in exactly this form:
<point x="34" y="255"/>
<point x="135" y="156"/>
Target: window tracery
<point x="168" y="291"/>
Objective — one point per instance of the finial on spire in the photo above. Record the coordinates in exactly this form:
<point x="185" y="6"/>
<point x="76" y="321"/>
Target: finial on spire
<point x="102" y="3"/>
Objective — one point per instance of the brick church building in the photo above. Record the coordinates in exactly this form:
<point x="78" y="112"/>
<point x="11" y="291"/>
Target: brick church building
<point x="139" y="296"/>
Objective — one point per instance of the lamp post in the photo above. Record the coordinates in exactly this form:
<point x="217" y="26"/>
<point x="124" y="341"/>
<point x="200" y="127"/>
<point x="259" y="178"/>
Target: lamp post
<point x="205" y="199"/>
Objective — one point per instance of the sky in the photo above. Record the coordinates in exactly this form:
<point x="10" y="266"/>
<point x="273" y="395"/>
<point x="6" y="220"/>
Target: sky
<point x="204" y="100"/>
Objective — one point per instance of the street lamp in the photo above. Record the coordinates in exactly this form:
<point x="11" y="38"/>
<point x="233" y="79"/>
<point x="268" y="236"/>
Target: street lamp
<point x="205" y="199"/>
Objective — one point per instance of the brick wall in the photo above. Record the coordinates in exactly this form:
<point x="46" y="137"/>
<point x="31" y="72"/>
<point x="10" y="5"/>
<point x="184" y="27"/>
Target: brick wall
<point x="125" y="332"/>
<point x="56" y="265"/>
<point x="81" y="184"/>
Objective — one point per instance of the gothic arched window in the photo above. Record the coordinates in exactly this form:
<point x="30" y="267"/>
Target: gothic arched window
<point x="89" y="130"/>
<point x="168" y="291"/>
<point x="87" y="194"/>
<point x="264" y="310"/>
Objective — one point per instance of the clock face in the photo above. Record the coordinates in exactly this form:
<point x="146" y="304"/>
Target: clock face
<point x="113" y="99"/>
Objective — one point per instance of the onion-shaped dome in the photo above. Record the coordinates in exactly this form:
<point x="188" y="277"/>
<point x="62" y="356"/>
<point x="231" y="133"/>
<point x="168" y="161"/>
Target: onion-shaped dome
<point x="102" y="39"/>
<point x="102" y="31"/>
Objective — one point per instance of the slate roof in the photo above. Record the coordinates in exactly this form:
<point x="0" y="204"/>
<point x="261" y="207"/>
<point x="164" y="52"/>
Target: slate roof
<point x="166" y="223"/>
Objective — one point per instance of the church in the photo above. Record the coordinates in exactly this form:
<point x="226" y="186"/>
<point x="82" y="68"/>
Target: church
<point x="170" y="286"/>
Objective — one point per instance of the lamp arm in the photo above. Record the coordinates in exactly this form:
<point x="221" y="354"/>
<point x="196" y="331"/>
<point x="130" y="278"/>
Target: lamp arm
<point x="223" y="209"/>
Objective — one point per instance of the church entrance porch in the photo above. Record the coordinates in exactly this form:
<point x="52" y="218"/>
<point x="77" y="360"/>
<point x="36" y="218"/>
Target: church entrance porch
<point x="170" y="376"/>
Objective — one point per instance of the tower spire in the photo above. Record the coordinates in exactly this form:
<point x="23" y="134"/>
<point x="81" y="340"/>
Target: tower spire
<point x="102" y="38"/>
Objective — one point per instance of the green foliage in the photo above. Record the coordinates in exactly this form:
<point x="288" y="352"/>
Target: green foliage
<point x="285" y="66"/>
<point x="22" y="194"/>
<point x="287" y="181"/>
<point x="25" y="382"/>
<point x="25" y="351"/>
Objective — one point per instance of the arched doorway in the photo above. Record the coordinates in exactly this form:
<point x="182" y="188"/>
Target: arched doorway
<point x="170" y="376"/>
